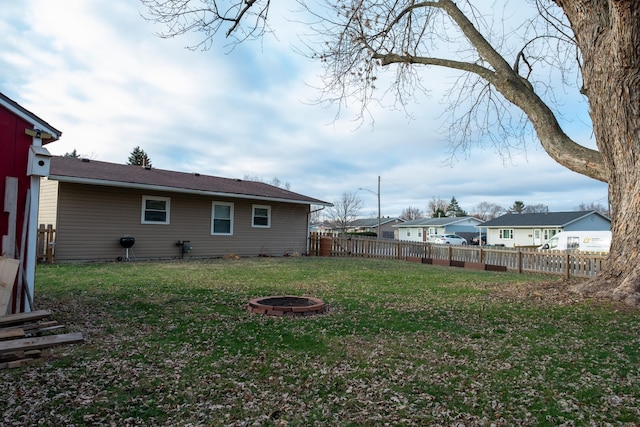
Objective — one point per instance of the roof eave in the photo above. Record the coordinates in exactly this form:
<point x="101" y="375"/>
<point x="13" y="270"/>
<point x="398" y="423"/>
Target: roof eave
<point x="138" y="186"/>
<point x="28" y="116"/>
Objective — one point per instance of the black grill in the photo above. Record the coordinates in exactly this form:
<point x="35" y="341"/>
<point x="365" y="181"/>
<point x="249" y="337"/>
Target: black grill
<point x="127" y="241"/>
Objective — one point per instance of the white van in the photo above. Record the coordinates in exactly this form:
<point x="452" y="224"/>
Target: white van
<point x="582" y="241"/>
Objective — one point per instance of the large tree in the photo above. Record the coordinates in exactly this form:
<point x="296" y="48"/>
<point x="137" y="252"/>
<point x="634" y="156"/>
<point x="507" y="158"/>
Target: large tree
<point x="486" y="211"/>
<point x="593" y="206"/>
<point x="498" y="66"/>
<point x="437" y="207"/>
<point x="410" y="213"/>
<point x="345" y="210"/>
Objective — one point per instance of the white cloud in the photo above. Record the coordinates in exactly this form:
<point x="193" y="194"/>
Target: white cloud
<point x="96" y="71"/>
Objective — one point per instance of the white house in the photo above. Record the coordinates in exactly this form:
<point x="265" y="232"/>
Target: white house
<point x="422" y="229"/>
<point x="534" y="229"/>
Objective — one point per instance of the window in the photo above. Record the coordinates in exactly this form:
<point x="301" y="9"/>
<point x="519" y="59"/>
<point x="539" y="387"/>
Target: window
<point x="573" y="242"/>
<point x="549" y="234"/>
<point x="222" y="218"/>
<point x="408" y="232"/>
<point x="261" y="216"/>
<point x="506" y="234"/>
<point x="155" y="210"/>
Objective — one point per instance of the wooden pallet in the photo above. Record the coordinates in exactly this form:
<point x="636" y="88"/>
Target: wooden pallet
<point x="23" y="336"/>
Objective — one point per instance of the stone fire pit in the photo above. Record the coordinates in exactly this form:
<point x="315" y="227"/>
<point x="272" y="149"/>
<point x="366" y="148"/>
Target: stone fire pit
<point x="286" y="305"/>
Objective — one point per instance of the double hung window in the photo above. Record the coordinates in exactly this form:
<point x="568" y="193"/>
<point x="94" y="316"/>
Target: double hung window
<point x="222" y="218"/>
<point x="261" y="216"/>
<point x="506" y="234"/>
<point x="155" y="210"/>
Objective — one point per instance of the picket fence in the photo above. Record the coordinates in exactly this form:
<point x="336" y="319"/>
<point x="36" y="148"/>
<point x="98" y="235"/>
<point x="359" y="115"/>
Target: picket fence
<point x="45" y="243"/>
<point x="478" y="257"/>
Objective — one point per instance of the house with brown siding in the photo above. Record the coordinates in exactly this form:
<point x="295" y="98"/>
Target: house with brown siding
<point x="93" y="205"/>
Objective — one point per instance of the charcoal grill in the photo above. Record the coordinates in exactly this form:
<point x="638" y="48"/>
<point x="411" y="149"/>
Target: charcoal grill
<point x="127" y="242"/>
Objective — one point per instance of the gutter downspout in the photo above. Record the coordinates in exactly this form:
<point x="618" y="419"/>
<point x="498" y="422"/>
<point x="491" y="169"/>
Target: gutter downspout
<point x="309" y="225"/>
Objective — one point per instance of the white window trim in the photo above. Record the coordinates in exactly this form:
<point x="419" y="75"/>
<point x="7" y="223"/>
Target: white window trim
<point x="510" y="230"/>
<point x="144" y="209"/>
<point x="231" y="213"/>
<point x="253" y="216"/>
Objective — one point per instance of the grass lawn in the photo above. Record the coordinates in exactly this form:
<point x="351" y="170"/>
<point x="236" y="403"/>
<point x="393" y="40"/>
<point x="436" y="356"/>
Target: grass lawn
<point x="170" y="343"/>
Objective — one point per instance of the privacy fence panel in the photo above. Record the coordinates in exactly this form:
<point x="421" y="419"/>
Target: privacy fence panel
<point x="487" y="257"/>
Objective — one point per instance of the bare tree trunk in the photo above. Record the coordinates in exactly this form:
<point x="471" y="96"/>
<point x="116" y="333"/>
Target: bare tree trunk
<point x="608" y="34"/>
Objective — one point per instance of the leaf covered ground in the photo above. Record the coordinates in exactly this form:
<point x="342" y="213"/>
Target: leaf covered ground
<point x="401" y="344"/>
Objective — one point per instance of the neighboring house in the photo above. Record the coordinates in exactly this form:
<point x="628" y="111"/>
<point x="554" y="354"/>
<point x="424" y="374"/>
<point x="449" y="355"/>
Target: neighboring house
<point x="423" y="229"/>
<point x="23" y="160"/>
<point x="371" y="225"/>
<point x="535" y="229"/>
<point x="92" y="205"/>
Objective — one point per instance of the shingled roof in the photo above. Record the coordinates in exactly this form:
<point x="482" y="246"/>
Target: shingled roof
<point x="372" y="222"/>
<point x="85" y="171"/>
<point x="550" y="219"/>
<point x="436" y="222"/>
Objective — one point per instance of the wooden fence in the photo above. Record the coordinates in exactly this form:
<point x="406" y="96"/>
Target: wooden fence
<point x="45" y="243"/>
<point x="477" y="257"/>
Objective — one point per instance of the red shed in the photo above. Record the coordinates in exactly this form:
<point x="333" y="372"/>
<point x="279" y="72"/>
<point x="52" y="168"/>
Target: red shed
<point x="23" y="161"/>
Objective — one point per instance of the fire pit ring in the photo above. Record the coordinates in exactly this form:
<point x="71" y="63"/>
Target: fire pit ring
<point x="286" y="305"/>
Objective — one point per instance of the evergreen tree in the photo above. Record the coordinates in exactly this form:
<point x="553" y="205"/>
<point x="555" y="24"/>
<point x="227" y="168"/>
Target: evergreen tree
<point x="139" y="158"/>
<point x="518" y="206"/>
<point x="454" y="209"/>
<point x="74" y="154"/>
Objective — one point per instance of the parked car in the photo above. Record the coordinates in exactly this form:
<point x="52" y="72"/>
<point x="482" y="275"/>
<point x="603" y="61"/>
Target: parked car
<point x="475" y="240"/>
<point x="450" y="239"/>
<point x="433" y="237"/>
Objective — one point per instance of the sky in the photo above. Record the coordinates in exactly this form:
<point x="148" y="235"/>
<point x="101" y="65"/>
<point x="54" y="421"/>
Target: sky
<point x="97" y="71"/>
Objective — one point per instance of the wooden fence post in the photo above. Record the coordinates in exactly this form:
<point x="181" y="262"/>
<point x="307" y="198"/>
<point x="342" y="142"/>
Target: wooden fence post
<point x="50" y="242"/>
<point x="567" y="260"/>
<point x="519" y="261"/>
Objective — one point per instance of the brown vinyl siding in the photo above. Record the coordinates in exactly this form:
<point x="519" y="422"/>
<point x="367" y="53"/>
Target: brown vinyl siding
<point x="47" y="205"/>
<point x="92" y="219"/>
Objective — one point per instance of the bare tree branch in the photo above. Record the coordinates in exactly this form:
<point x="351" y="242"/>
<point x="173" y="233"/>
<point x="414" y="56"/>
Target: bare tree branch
<point x="239" y="19"/>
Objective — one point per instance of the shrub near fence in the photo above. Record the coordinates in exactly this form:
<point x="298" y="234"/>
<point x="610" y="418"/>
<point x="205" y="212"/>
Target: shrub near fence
<point x="520" y="260"/>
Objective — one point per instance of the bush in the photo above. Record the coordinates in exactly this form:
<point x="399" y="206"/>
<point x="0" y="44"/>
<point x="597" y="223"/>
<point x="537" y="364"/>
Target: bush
<point x="362" y="233"/>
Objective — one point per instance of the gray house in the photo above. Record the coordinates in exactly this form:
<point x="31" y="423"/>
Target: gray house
<point x="94" y="205"/>
<point x="371" y="225"/>
<point x="536" y="228"/>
